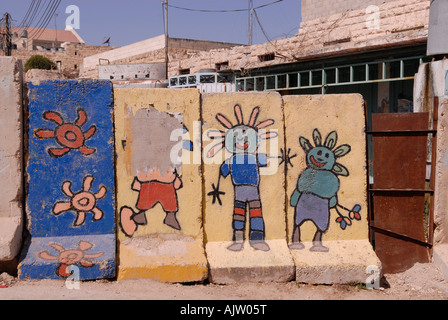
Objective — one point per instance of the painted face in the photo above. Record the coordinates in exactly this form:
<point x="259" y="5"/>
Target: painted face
<point x="321" y="158"/>
<point x="241" y="139"/>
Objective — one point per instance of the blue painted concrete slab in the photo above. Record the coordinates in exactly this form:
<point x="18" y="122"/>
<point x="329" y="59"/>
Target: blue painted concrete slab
<point x="88" y="256"/>
<point x="70" y="167"/>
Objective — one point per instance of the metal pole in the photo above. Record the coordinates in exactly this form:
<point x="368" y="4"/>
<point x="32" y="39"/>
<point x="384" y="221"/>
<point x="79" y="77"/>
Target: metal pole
<point x="166" y="37"/>
<point x="7" y="48"/>
<point x="249" y="41"/>
<point x="55" y="30"/>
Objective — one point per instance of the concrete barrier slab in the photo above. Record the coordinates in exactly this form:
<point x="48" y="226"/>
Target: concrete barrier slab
<point x="327" y="189"/>
<point x="11" y="157"/>
<point x="70" y="178"/>
<point x="159" y="184"/>
<point x="244" y="185"/>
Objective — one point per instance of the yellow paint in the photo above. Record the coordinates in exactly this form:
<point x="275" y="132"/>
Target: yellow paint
<point x="185" y="267"/>
<point x="190" y="265"/>
<point x="345" y="115"/>
<point x="228" y="266"/>
<point x="218" y="219"/>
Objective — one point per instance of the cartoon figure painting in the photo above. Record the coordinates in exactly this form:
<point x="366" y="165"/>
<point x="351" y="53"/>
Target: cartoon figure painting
<point x="242" y="141"/>
<point x="317" y="189"/>
<point x="156" y="175"/>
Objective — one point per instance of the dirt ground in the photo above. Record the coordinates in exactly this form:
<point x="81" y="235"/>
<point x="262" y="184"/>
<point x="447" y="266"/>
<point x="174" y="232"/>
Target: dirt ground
<point x="422" y="282"/>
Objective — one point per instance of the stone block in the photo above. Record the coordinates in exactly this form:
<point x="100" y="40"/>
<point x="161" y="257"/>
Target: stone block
<point x="70" y="199"/>
<point x="159" y="185"/>
<point x="244" y="185"/>
<point x="326" y="188"/>
<point x="11" y="157"/>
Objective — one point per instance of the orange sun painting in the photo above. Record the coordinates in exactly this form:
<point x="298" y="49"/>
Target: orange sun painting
<point x="81" y="202"/>
<point x="69" y="136"/>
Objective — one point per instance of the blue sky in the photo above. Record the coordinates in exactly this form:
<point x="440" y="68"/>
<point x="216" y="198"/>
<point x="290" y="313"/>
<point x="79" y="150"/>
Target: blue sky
<point x="130" y="21"/>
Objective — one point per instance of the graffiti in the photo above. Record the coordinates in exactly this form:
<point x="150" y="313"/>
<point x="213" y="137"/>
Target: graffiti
<point x="242" y="141"/>
<point x="82" y="202"/>
<point x="155" y="169"/>
<point x="69" y="136"/>
<point x="70" y="257"/>
<point x="317" y="189"/>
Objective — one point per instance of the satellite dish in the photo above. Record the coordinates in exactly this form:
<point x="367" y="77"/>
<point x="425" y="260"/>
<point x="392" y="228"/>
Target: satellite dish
<point x="24" y="34"/>
<point x="107" y="41"/>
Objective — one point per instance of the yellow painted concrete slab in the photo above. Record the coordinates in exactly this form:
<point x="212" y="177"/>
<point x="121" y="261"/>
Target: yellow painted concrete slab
<point x="244" y="187"/>
<point x="327" y="187"/>
<point x="157" y="197"/>
<point x="347" y="261"/>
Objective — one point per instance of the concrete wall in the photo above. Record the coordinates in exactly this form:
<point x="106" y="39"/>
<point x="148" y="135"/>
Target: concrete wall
<point x="159" y="194"/>
<point x="205" y="185"/>
<point x="11" y="156"/>
<point x="70" y="196"/>
<point x="245" y="228"/>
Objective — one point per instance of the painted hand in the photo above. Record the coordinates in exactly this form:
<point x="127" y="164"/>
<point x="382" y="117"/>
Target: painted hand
<point x="216" y="194"/>
<point x="286" y="158"/>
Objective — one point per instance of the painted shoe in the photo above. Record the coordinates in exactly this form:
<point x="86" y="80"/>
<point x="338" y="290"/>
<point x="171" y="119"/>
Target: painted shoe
<point x="260" y="245"/>
<point x="127" y="224"/>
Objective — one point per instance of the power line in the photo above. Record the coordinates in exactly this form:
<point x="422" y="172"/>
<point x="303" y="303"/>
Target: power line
<point x="46" y="18"/>
<point x="40" y="21"/>
<point x="33" y="15"/>
<point x="27" y="14"/>
<point x="49" y="16"/>
<point x="221" y="11"/>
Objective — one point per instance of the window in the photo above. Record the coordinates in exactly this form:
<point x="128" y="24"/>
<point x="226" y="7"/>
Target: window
<point x="266" y="57"/>
<point x="222" y="66"/>
<point x="184" y="71"/>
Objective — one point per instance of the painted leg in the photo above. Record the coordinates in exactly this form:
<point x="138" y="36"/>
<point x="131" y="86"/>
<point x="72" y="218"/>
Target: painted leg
<point x="171" y="220"/>
<point x="317" y="243"/>
<point x="256" y="234"/>
<point x="296" y="244"/>
<point x="239" y="223"/>
<point x="129" y="220"/>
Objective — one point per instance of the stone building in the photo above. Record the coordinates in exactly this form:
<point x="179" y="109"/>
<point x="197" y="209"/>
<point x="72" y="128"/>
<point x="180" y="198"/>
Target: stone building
<point x="64" y="47"/>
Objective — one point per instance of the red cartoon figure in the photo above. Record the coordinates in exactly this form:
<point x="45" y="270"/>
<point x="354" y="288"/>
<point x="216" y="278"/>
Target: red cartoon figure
<point x="68" y="135"/>
<point x="155" y="167"/>
<point x="153" y="188"/>
<point x="70" y="257"/>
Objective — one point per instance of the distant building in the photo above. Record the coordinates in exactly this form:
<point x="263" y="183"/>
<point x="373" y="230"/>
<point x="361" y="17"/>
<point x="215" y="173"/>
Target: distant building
<point x="44" y="39"/>
<point x="65" y="48"/>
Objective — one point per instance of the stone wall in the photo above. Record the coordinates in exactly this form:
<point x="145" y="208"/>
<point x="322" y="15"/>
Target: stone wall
<point x="71" y="59"/>
<point x="400" y="23"/>
<point x="319" y="9"/>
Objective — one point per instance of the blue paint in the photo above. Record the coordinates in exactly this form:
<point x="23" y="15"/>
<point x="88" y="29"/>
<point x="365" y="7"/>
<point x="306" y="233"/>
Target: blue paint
<point x="35" y="267"/>
<point x="47" y="174"/>
<point x="244" y="168"/>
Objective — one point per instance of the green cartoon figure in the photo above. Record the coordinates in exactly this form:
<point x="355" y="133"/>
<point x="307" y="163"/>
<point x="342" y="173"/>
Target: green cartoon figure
<point x="317" y="189"/>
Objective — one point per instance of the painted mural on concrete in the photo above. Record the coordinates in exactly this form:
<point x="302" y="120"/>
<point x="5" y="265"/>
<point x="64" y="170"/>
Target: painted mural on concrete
<point x="317" y="189"/>
<point x="159" y="185"/>
<point x="156" y="176"/>
<point x="242" y="141"/>
<point x="70" y="178"/>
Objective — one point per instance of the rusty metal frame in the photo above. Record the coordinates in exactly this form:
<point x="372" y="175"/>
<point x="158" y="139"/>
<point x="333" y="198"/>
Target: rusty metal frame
<point x="371" y="191"/>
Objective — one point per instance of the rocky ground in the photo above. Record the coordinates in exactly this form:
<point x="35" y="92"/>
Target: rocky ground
<point x="422" y="282"/>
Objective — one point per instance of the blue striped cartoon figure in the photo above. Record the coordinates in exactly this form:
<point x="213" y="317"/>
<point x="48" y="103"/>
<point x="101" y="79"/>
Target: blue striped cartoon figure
<point x="242" y="142"/>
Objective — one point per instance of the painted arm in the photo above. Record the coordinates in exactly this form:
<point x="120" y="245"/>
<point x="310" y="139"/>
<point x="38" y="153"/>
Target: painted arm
<point x="136" y="185"/>
<point x="333" y="202"/>
<point x="294" y="198"/>
<point x="177" y="181"/>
